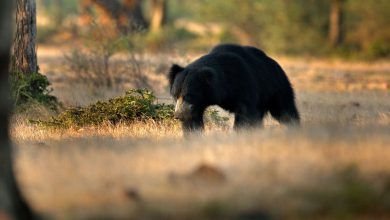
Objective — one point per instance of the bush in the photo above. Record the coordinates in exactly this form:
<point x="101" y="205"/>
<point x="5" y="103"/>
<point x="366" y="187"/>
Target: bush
<point x="135" y="105"/>
<point x="31" y="89"/>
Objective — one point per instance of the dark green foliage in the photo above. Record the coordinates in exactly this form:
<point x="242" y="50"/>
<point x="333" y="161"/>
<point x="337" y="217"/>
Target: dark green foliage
<point x="296" y="27"/>
<point x="32" y="89"/>
<point x="135" y="105"/>
<point x="299" y="27"/>
<point x="367" y="28"/>
<point x="292" y="27"/>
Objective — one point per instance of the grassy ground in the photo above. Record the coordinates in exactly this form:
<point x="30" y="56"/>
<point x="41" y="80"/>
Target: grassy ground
<point x="334" y="167"/>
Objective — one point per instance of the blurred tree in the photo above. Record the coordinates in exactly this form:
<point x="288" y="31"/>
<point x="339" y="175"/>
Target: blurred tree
<point x="11" y="200"/>
<point x="135" y="17"/>
<point x="239" y="18"/>
<point x="127" y="15"/>
<point x="158" y="10"/>
<point x="336" y="23"/>
<point x="367" y="29"/>
<point x="293" y="27"/>
<point x="24" y="59"/>
<point x="282" y="26"/>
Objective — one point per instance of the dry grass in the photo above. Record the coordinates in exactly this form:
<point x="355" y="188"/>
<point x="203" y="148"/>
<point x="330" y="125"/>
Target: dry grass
<point x="334" y="166"/>
<point x="23" y="131"/>
<point x="363" y="109"/>
<point x="78" y="178"/>
<point x="125" y="171"/>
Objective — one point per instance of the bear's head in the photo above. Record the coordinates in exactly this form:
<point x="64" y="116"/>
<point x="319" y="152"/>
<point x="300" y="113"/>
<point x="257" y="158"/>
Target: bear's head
<point x="193" y="89"/>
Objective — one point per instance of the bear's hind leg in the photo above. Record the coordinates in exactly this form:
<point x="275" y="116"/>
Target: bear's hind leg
<point x="245" y="118"/>
<point x="285" y="111"/>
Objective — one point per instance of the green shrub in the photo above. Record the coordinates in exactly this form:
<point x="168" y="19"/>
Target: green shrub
<point x="31" y="89"/>
<point x="135" y="105"/>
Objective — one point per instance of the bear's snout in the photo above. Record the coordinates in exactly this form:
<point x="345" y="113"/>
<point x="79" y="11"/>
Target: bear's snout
<point x="182" y="109"/>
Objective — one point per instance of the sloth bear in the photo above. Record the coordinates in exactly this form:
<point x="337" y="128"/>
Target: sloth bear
<point x="240" y="79"/>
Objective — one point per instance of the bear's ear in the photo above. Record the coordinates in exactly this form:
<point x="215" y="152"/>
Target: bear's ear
<point x="173" y="71"/>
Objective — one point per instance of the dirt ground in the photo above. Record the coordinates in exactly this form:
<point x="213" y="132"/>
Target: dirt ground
<point x="334" y="166"/>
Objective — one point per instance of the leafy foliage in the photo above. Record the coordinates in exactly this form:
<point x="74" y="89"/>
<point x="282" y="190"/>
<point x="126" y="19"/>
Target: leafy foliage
<point x="135" y="105"/>
<point x="295" y="27"/>
<point x="278" y="26"/>
<point x="30" y="89"/>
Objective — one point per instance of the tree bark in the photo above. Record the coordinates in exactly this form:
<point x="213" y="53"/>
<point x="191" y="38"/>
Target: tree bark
<point x="336" y="23"/>
<point x="158" y="14"/>
<point x="11" y="200"/>
<point x="24" y="58"/>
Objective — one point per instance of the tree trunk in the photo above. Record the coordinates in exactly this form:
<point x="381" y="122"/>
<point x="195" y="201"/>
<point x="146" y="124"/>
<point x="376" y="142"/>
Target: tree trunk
<point x="10" y="198"/>
<point x="158" y="14"/>
<point x="24" y="58"/>
<point x="336" y="23"/>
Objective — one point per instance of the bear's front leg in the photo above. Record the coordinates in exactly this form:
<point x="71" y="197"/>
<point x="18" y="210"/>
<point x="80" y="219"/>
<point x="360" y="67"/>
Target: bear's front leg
<point x="193" y="124"/>
<point x="189" y="126"/>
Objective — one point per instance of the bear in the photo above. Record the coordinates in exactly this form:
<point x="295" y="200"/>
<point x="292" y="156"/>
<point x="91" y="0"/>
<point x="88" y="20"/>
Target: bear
<point x="240" y="79"/>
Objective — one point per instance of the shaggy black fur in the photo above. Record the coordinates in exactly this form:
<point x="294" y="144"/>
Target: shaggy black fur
<point x="240" y="79"/>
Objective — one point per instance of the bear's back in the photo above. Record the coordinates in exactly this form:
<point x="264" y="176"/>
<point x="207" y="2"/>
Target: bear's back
<point x="264" y="69"/>
<point x="254" y="58"/>
<point x="247" y="52"/>
<point x="260" y="65"/>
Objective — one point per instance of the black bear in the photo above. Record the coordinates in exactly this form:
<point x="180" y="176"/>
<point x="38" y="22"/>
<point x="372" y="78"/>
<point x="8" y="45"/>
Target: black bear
<point x="240" y="79"/>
